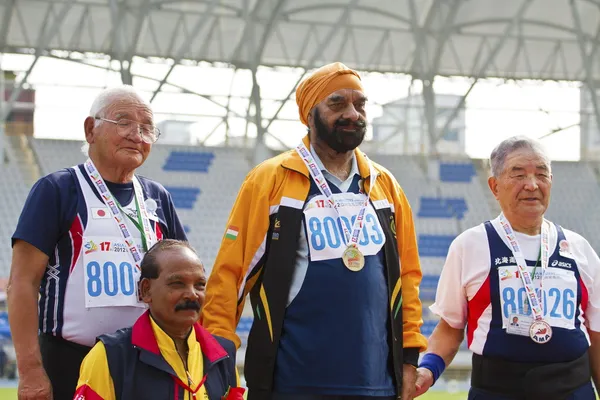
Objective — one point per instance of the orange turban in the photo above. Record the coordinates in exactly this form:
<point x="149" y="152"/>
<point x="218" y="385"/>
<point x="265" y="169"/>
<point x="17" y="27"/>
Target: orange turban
<point x="322" y="83"/>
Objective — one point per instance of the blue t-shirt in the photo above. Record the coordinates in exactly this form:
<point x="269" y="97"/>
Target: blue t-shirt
<point x="46" y="222"/>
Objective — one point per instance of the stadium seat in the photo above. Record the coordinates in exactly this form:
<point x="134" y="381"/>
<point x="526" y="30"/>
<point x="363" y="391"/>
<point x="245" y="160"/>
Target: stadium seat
<point x="245" y="324"/>
<point x="439" y="207"/>
<point x="428" y="327"/>
<point x="188" y="161"/>
<point x="434" y="245"/>
<point x="184" y="197"/>
<point x="457" y="172"/>
<point x="243" y="329"/>
<point x="428" y="287"/>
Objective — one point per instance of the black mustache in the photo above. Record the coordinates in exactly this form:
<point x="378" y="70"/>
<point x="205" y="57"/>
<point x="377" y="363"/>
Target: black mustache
<point x="188" y="305"/>
<point x="346" y="122"/>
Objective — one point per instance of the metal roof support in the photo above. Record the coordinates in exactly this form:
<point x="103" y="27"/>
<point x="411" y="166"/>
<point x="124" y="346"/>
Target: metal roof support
<point x="45" y="37"/>
<point x="228" y="107"/>
<point x="269" y="29"/>
<point x="8" y="11"/>
<point x="80" y="27"/>
<point x="117" y="14"/>
<point x="260" y="149"/>
<point x="423" y="68"/>
<point x="588" y="65"/>
<point x="484" y="67"/>
<point x="246" y="37"/>
<point x="117" y="34"/>
<point x="430" y="114"/>
<point x="2" y="133"/>
<point x="126" y="76"/>
<point x="201" y="23"/>
<point x="186" y="91"/>
<point x="318" y="52"/>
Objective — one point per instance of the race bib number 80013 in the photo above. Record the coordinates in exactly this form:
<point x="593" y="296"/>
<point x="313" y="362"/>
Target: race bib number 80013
<point x="559" y="295"/>
<point x="324" y="231"/>
<point x="111" y="278"/>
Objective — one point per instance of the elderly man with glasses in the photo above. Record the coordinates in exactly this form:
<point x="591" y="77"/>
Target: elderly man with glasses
<point x="79" y="244"/>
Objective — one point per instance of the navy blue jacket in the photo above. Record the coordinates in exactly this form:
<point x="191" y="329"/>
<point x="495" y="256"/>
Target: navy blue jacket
<point x="139" y="371"/>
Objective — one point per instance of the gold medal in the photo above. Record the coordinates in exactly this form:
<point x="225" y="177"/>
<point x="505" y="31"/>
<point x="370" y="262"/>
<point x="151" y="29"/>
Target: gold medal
<point x="353" y="258"/>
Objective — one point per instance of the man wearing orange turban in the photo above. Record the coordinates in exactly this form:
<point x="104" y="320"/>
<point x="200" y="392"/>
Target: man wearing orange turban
<point x="316" y="238"/>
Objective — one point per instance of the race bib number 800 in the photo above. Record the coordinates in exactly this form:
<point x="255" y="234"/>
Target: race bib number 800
<point x="324" y="231"/>
<point x="109" y="279"/>
<point x="110" y="276"/>
<point x="559" y="295"/>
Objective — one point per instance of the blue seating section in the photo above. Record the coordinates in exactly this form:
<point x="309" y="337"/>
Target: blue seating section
<point x="428" y="287"/>
<point x="440" y="207"/>
<point x="188" y="161"/>
<point x="4" y="327"/>
<point x="428" y="327"/>
<point x="184" y="197"/>
<point x="434" y="245"/>
<point x="244" y="325"/>
<point x="452" y="172"/>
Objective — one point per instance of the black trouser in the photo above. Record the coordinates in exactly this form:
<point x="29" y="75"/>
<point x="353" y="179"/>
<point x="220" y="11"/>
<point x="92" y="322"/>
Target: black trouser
<point x="585" y="392"/>
<point x="62" y="360"/>
<point x="496" y="379"/>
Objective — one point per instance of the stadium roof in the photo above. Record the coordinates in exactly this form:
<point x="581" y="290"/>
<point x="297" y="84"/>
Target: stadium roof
<point x="539" y="39"/>
<point x="520" y="39"/>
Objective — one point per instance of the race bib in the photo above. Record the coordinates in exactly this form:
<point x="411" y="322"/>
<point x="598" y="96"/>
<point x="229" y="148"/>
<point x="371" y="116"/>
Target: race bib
<point x="110" y="276"/>
<point x="559" y="294"/>
<point x="325" y="234"/>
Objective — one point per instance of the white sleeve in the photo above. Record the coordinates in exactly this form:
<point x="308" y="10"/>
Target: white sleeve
<point x="592" y="270"/>
<point x="450" y="299"/>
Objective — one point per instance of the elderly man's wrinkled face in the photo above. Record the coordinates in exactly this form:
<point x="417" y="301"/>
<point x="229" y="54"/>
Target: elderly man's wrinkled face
<point x="340" y="120"/>
<point x="176" y="297"/>
<point x="128" y="151"/>
<point x="523" y="188"/>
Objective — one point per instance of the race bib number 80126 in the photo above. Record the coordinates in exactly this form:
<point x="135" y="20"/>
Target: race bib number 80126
<point x="559" y="295"/>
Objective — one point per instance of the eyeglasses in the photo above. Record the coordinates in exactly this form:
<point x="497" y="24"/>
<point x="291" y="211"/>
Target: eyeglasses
<point x="125" y="127"/>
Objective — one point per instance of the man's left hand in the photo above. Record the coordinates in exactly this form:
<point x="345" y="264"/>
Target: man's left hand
<point x="409" y="379"/>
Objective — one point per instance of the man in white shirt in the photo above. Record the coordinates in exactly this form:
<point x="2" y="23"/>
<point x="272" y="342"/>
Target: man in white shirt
<point x="520" y="267"/>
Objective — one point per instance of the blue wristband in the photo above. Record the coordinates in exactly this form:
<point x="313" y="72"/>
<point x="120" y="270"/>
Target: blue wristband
<point x="434" y="363"/>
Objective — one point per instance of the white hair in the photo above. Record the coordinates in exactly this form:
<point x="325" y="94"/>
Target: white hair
<point x="107" y="97"/>
<point x="512" y="144"/>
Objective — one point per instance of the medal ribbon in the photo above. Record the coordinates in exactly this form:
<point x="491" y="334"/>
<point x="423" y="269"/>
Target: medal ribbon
<point x="148" y="235"/>
<point x="318" y="177"/>
<point x="114" y="207"/>
<point x="189" y="388"/>
<point x="137" y="224"/>
<point x="535" y="301"/>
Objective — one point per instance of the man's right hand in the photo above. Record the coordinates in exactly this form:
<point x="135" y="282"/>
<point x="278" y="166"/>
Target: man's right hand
<point x="34" y="385"/>
<point x="424" y="381"/>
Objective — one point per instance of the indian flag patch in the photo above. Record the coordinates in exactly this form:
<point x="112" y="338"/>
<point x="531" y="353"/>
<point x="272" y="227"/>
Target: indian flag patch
<point x="232" y="232"/>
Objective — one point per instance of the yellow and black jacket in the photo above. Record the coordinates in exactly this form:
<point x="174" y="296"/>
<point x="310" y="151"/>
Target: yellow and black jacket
<point x="257" y="256"/>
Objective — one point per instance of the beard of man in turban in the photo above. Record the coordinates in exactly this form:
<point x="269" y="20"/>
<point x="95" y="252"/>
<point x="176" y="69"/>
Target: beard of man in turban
<point x="345" y="135"/>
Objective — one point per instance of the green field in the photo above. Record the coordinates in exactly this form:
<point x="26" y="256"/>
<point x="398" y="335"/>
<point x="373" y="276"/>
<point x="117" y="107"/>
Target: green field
<point x="438" y="396"/>
<point x="8" y="394"/>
